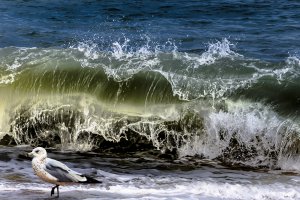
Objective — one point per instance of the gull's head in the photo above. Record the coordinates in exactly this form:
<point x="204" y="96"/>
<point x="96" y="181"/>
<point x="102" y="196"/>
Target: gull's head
<point x="38" y="152"/>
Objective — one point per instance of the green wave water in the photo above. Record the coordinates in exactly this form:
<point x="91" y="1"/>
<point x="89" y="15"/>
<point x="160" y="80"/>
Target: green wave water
<point x="218" y="105"/>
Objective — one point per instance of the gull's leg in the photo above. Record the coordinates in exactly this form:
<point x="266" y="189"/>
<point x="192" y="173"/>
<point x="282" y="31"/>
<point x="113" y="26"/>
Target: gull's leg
<point x="52" y="191"/>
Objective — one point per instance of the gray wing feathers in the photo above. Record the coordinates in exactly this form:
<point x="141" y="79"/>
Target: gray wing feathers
<point x="62" y="172"/>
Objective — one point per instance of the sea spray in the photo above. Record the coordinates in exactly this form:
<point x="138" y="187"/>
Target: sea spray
<point x="213" y="105"/>
<point x="249" y="134"/>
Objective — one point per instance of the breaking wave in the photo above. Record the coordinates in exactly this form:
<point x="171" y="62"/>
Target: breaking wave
<point x="217" y="105"/>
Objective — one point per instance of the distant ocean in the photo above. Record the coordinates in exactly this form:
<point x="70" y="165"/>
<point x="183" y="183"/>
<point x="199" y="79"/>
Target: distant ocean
<point x="162" y="99"/>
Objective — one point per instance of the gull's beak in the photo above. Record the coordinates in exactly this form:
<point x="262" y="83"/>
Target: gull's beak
<point x="30" y="154"/>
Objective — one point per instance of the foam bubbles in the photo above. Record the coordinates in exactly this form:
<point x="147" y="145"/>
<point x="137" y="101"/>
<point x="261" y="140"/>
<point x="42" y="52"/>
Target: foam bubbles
<point x="7" y="79"/>
<point x="89" y="49"/>
<point x="215" y="51"/>
<point x="248" y="133"/>
<point x="167" y="188"/>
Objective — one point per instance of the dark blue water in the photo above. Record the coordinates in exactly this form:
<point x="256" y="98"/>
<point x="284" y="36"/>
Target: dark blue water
<point x="265" y="30"/>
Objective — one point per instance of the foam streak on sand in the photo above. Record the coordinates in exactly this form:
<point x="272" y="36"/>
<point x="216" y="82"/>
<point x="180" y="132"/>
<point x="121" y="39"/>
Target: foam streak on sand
<point x="188" y="189"/>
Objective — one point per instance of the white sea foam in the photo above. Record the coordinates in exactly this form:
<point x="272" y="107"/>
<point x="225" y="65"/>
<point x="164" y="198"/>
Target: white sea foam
<point x="89" y="49"/>
<point x="282" y="73"/>
<point x="190" y="88"/>
<point x="215" y="51"/>
<point x="7" y="79"/>
<point x="289" y="163"/>
<point x="293" y="60"/>
<point x="166" y="189"/>
<point x="253" y="125"/>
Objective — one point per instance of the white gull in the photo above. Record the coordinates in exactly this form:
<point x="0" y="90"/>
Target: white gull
<point x="55" y="172"/>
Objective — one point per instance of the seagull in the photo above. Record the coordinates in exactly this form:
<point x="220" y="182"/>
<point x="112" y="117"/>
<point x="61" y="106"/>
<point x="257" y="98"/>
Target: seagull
<point x="55" y="172"/>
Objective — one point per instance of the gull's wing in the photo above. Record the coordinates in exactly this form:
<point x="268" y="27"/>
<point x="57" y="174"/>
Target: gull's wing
<point x="62" y="172"/>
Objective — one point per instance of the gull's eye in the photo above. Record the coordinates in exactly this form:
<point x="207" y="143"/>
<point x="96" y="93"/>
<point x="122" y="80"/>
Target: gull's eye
<point x="37" y="151"/>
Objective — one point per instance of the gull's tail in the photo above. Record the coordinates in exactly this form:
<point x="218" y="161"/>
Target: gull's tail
<point x="90" y="180"/>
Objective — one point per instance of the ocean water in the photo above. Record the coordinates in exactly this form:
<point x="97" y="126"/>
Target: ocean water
<point x="168" y="100"/>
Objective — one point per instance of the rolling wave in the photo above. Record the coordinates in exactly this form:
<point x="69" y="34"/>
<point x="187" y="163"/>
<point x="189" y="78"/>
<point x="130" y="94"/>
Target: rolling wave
<point x="217" y="105"/>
